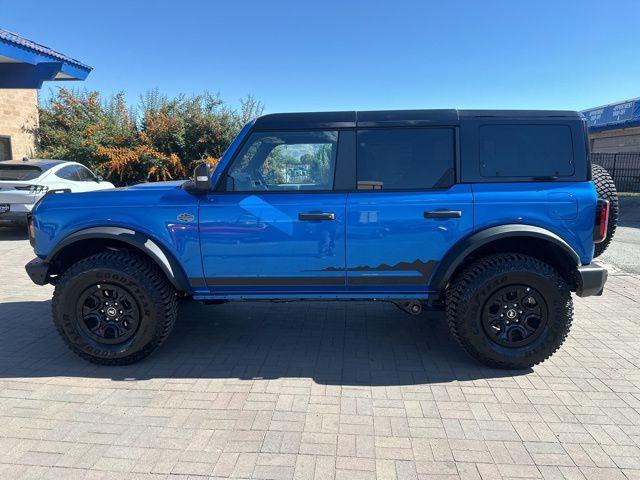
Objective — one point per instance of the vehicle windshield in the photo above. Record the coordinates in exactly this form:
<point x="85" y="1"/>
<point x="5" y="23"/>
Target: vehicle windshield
<point x="19" y="172"/>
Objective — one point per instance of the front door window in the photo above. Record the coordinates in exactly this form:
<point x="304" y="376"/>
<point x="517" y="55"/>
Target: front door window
<point x="285" y="161"/>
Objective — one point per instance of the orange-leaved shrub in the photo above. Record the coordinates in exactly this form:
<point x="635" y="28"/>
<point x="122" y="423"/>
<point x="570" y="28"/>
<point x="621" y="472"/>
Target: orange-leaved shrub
<point x="160" y="138"/>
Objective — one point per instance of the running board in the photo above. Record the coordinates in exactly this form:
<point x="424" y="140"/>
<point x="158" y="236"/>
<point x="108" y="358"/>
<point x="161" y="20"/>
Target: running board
<point x="427" y="297"/>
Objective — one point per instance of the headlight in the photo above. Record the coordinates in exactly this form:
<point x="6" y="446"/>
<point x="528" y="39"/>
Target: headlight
<point x="33" y="188"/>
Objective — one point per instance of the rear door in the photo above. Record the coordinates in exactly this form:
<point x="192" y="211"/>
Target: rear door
<point x="278" y="226"/>
<point x="407" y="210"/>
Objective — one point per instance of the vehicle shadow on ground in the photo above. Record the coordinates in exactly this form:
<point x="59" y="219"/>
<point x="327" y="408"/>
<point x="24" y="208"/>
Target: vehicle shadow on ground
<point x="333" y="343"/>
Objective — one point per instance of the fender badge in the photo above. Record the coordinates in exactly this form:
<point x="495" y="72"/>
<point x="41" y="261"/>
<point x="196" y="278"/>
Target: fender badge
<point x="185" y="217"/>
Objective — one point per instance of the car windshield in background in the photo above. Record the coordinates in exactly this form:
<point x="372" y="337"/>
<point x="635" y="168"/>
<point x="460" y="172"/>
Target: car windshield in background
<point x="19" y="172"/>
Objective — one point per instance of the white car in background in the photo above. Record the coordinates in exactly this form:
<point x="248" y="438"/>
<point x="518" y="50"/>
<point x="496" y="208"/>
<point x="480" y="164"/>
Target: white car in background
<point x="24" y="182"/>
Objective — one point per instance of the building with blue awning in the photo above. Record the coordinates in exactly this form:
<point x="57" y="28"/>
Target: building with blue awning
<point x="24" y="66"/>
<point x="614" y="128"/>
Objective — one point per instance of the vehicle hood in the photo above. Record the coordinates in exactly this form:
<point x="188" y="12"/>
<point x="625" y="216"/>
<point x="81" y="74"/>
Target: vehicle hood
<point x="104" y="201"/>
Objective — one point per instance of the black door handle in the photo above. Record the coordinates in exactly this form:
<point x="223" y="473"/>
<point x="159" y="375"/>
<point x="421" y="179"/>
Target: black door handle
<point x="311" y="216"/>
<point x="443" y="214"/>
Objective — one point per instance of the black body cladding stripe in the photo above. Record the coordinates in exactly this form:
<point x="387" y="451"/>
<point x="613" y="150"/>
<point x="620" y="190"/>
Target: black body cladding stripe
<point x="271" y="281"/>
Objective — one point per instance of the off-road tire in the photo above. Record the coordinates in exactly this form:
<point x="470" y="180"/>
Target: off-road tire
<point x="606" y="188"/>
<point x="155" y="298"/>
<point x="468" y="293"/>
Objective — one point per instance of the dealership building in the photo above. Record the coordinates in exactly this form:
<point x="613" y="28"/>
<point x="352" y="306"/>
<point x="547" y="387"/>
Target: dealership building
<point x="24" y="67"/>
<point x="615" y="128"/>
<point x="614" y="137"/>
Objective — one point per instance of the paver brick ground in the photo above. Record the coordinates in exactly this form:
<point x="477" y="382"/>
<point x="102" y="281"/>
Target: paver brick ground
<point x="316" y="391"/>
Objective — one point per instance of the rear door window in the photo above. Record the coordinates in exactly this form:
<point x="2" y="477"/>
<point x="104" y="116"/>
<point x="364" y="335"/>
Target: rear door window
<point x="69" y="173"/>
<point x="526" y="151"/>
<point x="86" y="175"/>
<point x="405" y="159"/>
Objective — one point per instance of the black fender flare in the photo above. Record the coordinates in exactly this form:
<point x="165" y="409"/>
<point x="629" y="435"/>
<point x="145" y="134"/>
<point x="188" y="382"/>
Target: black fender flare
<point x="165" y="260"/>
<point x="456" y="255"/>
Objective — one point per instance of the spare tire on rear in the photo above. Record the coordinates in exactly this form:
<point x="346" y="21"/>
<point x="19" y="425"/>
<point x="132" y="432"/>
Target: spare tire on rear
<point x="606" y="188"/>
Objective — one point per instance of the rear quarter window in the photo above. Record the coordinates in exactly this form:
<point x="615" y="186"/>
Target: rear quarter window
<point x="525" y="151"/>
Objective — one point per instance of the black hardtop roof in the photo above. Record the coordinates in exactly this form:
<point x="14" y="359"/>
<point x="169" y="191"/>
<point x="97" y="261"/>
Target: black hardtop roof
<point x="405" y="118"/>
<point x="43" y="164"/>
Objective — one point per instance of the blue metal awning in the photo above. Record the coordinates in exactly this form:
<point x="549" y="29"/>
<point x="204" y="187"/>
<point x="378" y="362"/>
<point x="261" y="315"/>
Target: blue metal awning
<point x="26" y="64"/>
<point x="615" y="115"/>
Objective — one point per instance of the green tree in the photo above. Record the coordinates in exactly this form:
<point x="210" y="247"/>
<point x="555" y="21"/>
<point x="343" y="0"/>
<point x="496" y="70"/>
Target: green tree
<point x="158" y="139"/>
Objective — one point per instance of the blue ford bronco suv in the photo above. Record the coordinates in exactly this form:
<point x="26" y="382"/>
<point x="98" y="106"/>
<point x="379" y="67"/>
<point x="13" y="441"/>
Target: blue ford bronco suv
<point x="492" y="215"/>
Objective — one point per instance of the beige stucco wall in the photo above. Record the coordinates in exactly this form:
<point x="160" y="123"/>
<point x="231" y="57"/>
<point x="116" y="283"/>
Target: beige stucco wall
<point x="18" y="120"/>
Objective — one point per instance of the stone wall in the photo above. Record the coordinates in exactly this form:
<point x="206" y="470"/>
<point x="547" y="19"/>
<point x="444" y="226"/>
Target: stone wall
<point x="18" y="119"/>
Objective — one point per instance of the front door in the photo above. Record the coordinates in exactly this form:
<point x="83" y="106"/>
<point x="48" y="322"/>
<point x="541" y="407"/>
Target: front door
<point x="407" y="210"/>
<point x="277" y="226"/>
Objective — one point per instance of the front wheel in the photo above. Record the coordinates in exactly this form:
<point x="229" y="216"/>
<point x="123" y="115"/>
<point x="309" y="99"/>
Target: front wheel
<point x="509" y="310"/>
<point x="114" y="307"/>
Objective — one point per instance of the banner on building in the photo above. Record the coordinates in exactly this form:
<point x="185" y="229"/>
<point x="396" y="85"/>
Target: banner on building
<point x="617" y="115"/>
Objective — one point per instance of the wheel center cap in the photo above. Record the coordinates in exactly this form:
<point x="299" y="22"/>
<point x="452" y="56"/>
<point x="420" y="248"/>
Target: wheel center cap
<point x="111" y="312"/>
<point x="511" y="313"/>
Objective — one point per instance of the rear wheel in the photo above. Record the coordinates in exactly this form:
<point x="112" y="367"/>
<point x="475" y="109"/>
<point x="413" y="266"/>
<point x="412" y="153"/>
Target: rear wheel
<point x="509" y="310"/>
<point x="114" y="308"/>
<point x="606" y="188"/>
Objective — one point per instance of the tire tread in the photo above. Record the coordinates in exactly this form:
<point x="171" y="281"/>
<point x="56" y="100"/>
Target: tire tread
<point x="606" y="188"/>
<point x="139" y="267"/>
<point x="465" y="284"/>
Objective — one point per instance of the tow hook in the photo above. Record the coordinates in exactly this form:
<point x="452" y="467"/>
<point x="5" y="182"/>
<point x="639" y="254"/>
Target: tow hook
<point x="412" y="307"/>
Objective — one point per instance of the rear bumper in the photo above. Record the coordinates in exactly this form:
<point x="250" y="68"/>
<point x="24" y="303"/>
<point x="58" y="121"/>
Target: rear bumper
<point x="591" y="280"/>
<point x="38" y="271"/>
<point x="13" y="217"/>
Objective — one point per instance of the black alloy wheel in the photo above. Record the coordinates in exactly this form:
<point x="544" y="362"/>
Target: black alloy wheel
<point x="515" y="315"/>
<point x="108" y="313"/>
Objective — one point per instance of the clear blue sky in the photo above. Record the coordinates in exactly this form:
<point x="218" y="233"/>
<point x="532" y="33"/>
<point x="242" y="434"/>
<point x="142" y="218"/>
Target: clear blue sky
<point x="326" y="55"/>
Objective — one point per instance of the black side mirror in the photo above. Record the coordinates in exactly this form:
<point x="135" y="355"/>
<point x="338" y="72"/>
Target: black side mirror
<point x="202" y="178"/>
